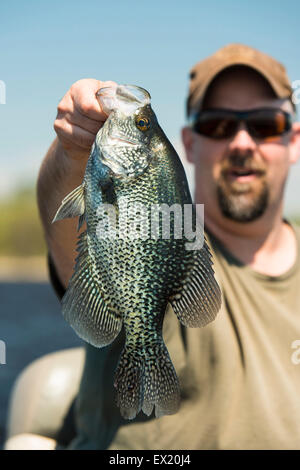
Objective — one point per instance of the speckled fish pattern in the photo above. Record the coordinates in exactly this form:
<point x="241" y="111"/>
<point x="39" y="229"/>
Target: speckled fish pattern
<point x="122" y="282"/>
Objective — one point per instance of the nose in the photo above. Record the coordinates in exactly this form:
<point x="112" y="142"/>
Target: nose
<point x="242" y="140"/>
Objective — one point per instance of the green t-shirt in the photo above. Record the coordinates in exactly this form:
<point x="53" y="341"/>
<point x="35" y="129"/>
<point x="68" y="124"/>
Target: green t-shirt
<point x="239" y="378"/>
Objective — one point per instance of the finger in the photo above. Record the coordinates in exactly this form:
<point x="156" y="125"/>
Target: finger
<point x="66" y="110"/>
<point x="84" y="98"/>
<point x="76" y="119"/>
<point x="73" y="134"/>
<point x="85" y="123"/>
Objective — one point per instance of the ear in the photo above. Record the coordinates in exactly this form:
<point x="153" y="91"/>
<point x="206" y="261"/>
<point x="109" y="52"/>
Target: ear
<point x="188" y="139"/>
<point x="295" y="143"/>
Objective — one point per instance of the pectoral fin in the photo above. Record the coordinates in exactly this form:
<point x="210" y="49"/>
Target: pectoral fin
<point x="83" y="306"/>
<point x="73" y="205"/>
<point x="198" y="300"/>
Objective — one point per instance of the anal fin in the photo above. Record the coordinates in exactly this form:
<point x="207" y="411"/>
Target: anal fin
<point x="83" y="306"/>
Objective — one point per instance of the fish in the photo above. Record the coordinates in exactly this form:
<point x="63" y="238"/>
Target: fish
<point x="125" y="274"/>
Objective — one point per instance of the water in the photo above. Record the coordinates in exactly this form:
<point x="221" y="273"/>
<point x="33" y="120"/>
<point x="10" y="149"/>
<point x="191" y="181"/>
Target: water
<point x="31" y="325"/>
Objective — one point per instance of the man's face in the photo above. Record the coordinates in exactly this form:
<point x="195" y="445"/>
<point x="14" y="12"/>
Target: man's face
<point x="240" y="177"/>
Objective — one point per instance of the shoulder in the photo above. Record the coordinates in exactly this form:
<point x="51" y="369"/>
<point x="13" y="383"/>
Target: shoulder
<point x="296" y="228"/>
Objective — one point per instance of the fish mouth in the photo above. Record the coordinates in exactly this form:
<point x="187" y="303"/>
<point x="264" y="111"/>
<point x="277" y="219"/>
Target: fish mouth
<point x="126" y="98"/>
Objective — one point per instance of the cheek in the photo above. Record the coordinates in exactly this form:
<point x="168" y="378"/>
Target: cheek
<point x="277" y="160"/>
<point x="209" y="158"/>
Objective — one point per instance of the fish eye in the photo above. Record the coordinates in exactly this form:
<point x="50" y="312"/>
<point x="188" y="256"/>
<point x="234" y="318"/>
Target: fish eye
<point x="142" y="123"/>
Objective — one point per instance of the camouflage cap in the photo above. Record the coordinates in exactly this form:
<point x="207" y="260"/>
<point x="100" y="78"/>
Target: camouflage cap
<point x="202" y="74"/>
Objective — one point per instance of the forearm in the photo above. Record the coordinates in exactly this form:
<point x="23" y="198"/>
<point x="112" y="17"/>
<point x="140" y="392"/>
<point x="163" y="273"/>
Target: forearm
<point x="58" y="176"/>
<point x="79" y="118"/>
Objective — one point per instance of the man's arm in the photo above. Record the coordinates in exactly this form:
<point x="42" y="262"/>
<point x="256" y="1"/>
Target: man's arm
<point x="78" y="120"/>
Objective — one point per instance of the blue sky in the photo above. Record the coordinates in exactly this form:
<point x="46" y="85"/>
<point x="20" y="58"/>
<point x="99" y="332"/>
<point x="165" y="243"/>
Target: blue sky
<point x="46" y="46"/>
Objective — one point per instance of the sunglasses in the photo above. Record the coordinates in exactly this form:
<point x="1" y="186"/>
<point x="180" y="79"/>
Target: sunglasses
<point x="260" y="123"/>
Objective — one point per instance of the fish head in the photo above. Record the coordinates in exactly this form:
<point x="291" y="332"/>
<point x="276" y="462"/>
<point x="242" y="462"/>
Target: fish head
<point x="126" y="139"/>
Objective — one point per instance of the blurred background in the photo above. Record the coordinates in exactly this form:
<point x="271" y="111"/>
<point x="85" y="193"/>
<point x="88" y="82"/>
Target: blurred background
<point x="45" y="47"/>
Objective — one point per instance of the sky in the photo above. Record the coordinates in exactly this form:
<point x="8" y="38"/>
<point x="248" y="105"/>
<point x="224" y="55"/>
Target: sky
<point x="47" y="46"/>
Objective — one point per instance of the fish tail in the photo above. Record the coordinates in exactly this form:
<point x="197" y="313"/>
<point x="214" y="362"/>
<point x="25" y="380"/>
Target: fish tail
<point x="161" y="386"/>
<point x="147" y="380"/>
<point x="129" y="383"/>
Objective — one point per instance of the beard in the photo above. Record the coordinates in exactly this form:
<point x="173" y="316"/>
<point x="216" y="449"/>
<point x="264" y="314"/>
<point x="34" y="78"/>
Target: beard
<point x="243" y="207"/>
<point x="242" y="202"/>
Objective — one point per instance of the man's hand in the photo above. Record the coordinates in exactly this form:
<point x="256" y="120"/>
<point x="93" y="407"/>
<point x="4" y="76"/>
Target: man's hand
<point x="80" y="117"/>
<point x="78" y="120"/>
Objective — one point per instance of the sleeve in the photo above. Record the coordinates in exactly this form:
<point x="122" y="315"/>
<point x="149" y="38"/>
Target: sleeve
<point x="54" y="279"/>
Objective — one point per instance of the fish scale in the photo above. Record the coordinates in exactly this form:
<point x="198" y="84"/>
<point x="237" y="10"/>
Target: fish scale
<point x="122" y="282"/>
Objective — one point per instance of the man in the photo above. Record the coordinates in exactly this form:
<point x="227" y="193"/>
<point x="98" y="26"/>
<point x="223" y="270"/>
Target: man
<point x="239" y="386"/>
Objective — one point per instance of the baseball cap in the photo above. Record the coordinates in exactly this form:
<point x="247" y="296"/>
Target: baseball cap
<point x="202" y="74"/>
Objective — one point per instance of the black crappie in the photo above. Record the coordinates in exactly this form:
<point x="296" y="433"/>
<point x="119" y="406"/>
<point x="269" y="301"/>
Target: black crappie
<point x="125" y="280"/>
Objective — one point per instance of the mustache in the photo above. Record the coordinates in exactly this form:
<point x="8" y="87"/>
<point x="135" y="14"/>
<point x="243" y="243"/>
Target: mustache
<point x="242" y="161"/>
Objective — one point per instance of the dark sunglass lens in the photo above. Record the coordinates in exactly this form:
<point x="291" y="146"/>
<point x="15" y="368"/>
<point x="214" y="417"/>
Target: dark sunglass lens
<point x="218" y="127"/>
<point x="268" y="123"/>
